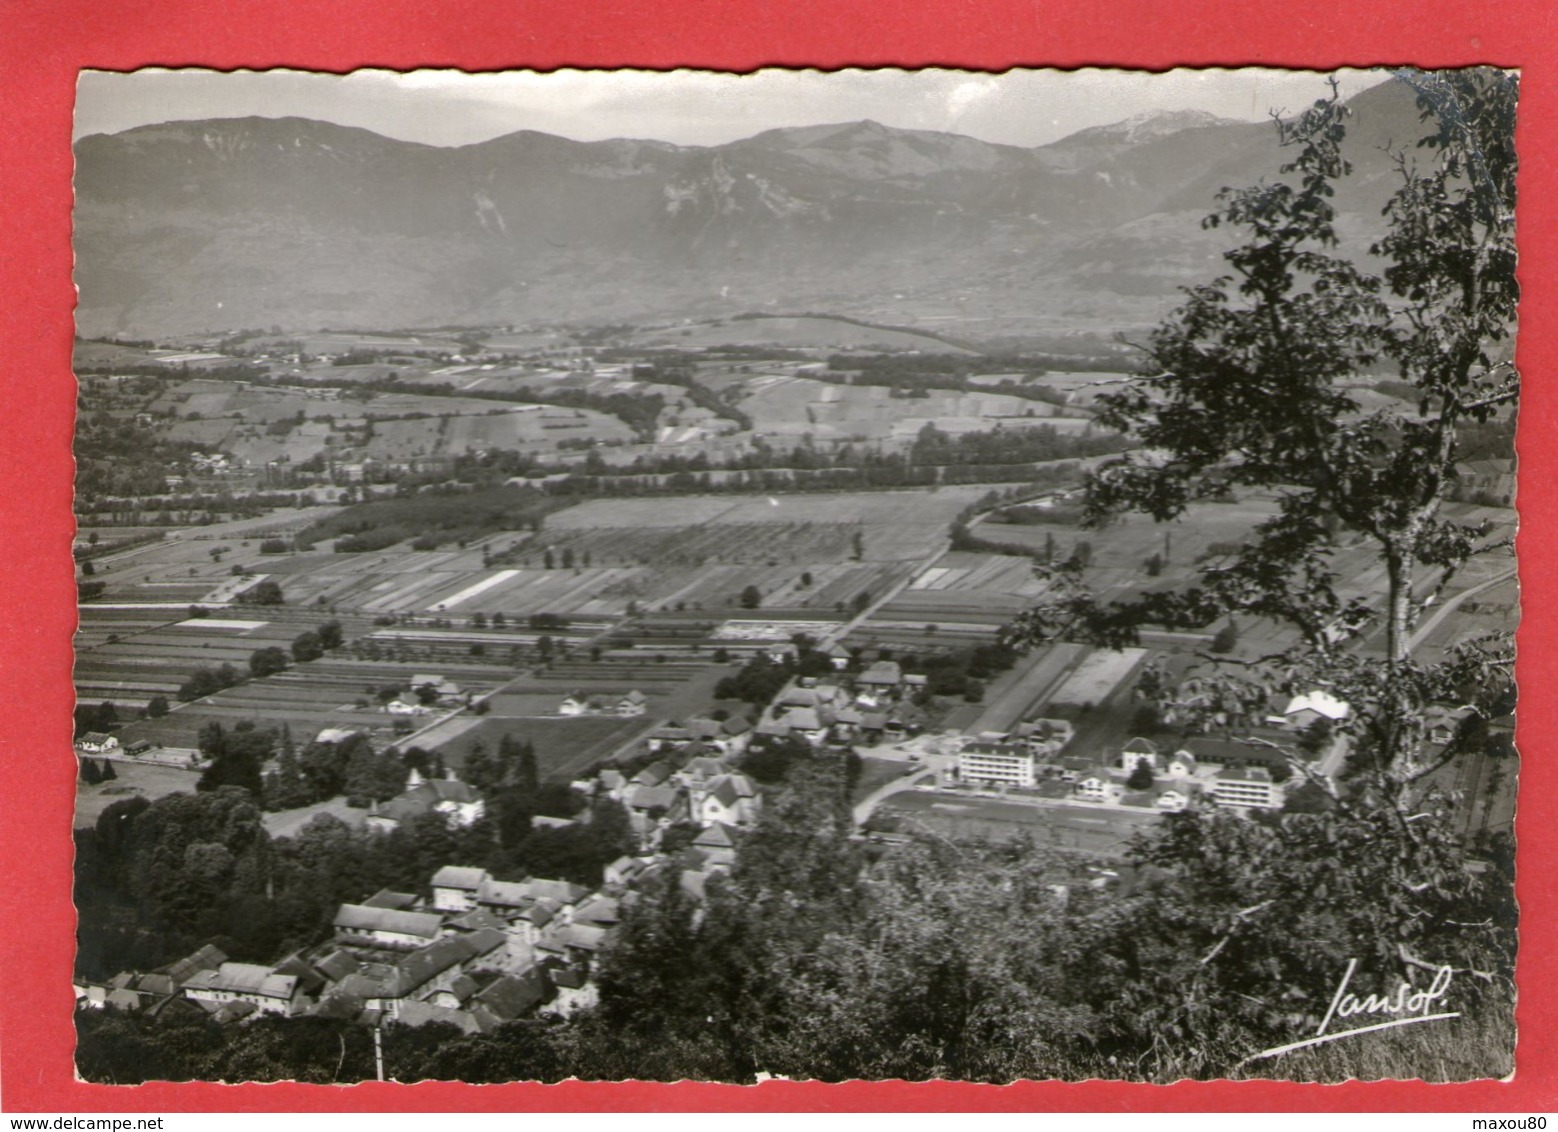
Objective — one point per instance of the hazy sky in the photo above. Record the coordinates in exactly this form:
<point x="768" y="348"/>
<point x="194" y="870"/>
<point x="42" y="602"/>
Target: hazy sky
<point x="1027" y="108"/>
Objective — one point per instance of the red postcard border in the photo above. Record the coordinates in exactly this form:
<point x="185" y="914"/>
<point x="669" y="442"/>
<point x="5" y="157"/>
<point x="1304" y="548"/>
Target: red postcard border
<point x="48" y="41"/>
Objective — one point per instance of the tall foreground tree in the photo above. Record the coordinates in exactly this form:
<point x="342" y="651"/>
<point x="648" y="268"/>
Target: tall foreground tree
<point x="1252" y="383"/>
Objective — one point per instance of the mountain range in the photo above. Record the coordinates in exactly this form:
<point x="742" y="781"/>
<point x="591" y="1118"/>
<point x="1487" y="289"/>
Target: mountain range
<point x="199" y="226"/>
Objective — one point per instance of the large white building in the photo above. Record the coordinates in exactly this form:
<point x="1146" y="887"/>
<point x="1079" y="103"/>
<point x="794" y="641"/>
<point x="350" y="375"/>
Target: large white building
<point x="1251" y="786"/>
<point x="266" y="990"/>
<point x="1008" y="764"/>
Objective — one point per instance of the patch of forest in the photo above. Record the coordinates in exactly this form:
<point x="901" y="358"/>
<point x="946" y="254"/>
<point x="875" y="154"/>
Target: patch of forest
<point x="432" y="518"/>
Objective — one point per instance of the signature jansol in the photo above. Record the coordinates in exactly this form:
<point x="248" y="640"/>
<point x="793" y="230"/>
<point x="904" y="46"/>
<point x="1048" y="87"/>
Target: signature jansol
<point x="1407" y="1007"/>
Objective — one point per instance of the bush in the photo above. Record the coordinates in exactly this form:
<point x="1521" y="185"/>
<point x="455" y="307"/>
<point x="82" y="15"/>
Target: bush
<point x="267" y="662"/>
<point x="306" y="647"/>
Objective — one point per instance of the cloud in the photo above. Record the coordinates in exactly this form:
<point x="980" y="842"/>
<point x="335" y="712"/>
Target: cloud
<point x="966" y="94"/>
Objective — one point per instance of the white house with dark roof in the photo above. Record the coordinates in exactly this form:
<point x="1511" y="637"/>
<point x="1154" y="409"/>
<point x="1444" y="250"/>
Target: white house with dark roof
<point x="731" y="799"/>
<point x="407" y="704"/>
<point x="1096" y="785"/>
<point x="97" y="743"/>
<point x="457" y="801"/>
<point x="1139" y="752"/>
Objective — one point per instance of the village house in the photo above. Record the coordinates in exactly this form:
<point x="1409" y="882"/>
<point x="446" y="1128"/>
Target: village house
<point x="623" y="872"/>
<point x="598" y="909"/>
<point x="655" y="774"/>
<point x="387" y="987"/>
<point x="514" y="996"/>
<point x="806" y="723"/>
<point x="1139" y="752"/>
<point x="613" y="782"/>
<point x="838" y="656"/>
<point x="668" y="738"/>
<point x="634" y="703"/>
<point x="261" y="987"/>
<point x="458" y="802"/>
<point x="1443" y="724"/>
<point x="575" y="703"/>
<point x="1096" y="785"/>
<point x="731" y="799"/>
<point x="716" y="841"/>
<point x="389" y="898"/>
<point x="879" y="684"/>
<point x="97" y="743"/>
<point x="1044" y="737"/>
<point x="477" y="919"/>
<point x="771" y="729"/>
<point x="455" y="887"/>
<point x="651" y="808"/>
<point x="1309" y="708"/>
<point x="428" y="1013"/>
<point x="362" y="926"/>
<point x="453" y="997"/>
<point x="407" y="704"/>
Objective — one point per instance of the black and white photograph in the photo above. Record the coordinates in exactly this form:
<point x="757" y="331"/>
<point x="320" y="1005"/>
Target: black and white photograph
<point x="811" y="575"/>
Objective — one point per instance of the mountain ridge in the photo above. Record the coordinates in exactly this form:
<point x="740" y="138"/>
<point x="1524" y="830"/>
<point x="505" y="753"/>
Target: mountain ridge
<point x="217" y="224"/>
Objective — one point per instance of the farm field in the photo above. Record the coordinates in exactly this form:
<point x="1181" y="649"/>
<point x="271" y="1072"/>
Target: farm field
<point x="565" y="748"/>
<point x="133" y="780"/>
<point x="335" y="691"/>
<point x="341" y="342"/>
<point x="786" y="406"/>
<point x="526" y="708"/>
<point x="923" y="510"/>
<point x="195" y="564"/>
<point x="659" y="553"/>
<point x="258" y="424"/>
<point x="153" y="655"/>
<point x="966" y="586"/>
<point x="528" y="428"/>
